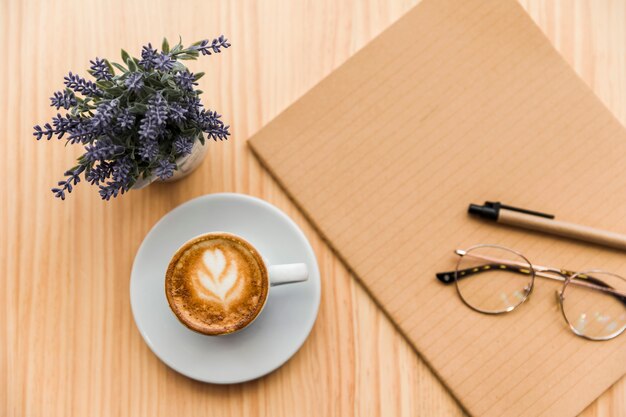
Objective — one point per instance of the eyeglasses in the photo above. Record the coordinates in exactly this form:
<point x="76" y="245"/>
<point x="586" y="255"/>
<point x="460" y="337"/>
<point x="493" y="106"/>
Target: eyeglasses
<point x="492" y="279"/>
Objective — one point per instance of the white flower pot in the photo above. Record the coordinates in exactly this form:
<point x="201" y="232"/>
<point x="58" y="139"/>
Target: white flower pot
<point x="186" y="165"/>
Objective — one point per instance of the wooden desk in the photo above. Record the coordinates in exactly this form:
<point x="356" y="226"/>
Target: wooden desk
<point x="68" y="342"/>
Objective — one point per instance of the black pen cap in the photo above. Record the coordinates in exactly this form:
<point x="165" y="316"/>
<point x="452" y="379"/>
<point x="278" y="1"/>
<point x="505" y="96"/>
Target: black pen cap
<point x="488" y="211"/>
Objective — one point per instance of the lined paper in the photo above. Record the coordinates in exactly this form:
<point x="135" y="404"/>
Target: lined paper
<point x="462" y="101"/>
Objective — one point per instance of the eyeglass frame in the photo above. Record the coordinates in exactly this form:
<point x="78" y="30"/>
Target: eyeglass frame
<point x="567" y="277"/>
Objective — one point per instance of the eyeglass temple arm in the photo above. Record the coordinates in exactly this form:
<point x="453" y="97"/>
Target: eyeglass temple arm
<point x="512" y="266"/>
<point x="449" y="277"/>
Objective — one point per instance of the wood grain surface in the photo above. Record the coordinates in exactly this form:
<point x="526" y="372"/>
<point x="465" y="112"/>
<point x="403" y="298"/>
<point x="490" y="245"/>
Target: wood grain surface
<point x="68" y="344"/>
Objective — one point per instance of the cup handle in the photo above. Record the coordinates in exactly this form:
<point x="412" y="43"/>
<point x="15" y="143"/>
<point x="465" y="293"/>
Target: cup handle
<point x="287" y="274"/>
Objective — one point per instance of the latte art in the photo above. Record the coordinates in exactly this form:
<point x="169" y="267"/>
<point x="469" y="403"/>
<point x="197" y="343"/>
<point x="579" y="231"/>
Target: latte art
<point x="218" y="277"/>
<point x="216" y="284"/>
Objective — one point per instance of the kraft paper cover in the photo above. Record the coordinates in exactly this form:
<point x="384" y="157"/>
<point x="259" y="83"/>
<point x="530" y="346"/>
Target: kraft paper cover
<point x="462" y="101"/>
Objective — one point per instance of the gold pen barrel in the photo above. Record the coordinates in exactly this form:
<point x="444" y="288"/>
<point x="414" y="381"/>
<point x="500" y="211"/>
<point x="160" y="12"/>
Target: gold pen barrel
<point x="565" y="229"/>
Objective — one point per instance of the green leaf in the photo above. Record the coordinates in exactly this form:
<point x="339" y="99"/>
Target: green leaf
<point x="109" y="66"/>
<point x="149" y="91"/>
<point x="198" y="75"/>
<point x="105" y="84"/>
<point x="115" y="91"/>
<point x="187" y="56"/>
<point x="131" y="65"/>
<point x="172" y="94"/>
<point x="179" y="46"/>
<point x="192" y="131"/>
<point x="165" y="46"/>
<point x="119" y="67"/>
<point x="178" y="67"/>
<point x="125" y="56"/>
<point x="139" y="108"/>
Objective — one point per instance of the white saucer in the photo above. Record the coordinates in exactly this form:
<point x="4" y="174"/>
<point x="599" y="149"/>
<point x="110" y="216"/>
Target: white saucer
<point x="273" y="338"/>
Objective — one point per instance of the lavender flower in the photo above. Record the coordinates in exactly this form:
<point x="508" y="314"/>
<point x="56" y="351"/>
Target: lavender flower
<point x="65" y="99"/>
<point x="67" y="185"/>
<point x="148" y="150"/>
<point x="80" y="85"/>
<point x="60" y="126"/>
<point x="103" y="149"/>
<point x="100" y="70"/>
<point x="63" y="124"/>
<point x="152" y="124"/>
<point x="214" y="47"/>
<point x="163" y="62"/>
<point x="148" y="57"/>
<point x="112" y="189"/>
<point x="177" y="113"/>
<point x="157" y="109"/>
<point x="185" y="80"/>
<point x="193" y="107"/>
<point x="122" y="169"/>
<point x="126" y="119"/>
<point x="134" y="82"/>
<point x="211" y="124"/>
<point x="183" y="145"/>
<point x="137" y="123"/>
<point x="106" y="111"/>
<point x="99" y="173"/>
<point x="218" y="132"/>
<point x="165" y="169"/>
<point x="82" y="132"/>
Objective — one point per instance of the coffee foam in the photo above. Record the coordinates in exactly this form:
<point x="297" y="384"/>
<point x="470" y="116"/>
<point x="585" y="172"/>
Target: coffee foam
<point x="216" y="284"/>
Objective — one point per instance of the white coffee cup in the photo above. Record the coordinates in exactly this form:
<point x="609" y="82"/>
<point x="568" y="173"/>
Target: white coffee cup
<point x="273" y="275"/>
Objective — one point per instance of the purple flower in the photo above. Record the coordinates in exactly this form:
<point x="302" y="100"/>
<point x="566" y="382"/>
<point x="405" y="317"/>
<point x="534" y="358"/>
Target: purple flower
<point x="134" y="82"/>
<point x="165" y="169"/>
<point x="121" y="173"/>
<point x="105" y="113"/>
<point x="100" y="70"/>
<point x="102" y="150"/>
<point x="148" y="150"/>
<point x="82" y="132"/>
<point x="214" y="47"/>
<point x="183" y="145"/>
<point x="185" y="80"/>
<point x="126" y="119"/>
<point x="148" y="57"/>
<point x="98" y="173"/>
<point x="163" y="62"/>
<point x="157" y="109"/>
<point x="177" y="113"/>
<point x="211" y="124"/>
<point x="65" y="99"/>
<point x="80" y="85"/>
<point x="112" y="189"/>
<point x="122" y="169"/>
<point x="219" y="132"/>
<point x="67" y="185"/>
<point x="193" y="107"/>
<point x="153" y="122"/>
<point x="61" y="124"/>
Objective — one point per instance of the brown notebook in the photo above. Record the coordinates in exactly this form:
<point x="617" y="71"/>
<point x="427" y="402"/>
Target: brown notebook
<point x="462" y="101"/>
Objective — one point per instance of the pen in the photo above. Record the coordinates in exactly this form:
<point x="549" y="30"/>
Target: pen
<point x="546" y="223"/>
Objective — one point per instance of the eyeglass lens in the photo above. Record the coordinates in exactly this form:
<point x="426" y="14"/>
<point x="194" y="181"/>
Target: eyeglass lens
<point x="490" y="286"/>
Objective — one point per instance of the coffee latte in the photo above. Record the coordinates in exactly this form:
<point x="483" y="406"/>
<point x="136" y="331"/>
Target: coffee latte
<point x="216" y="284"/>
